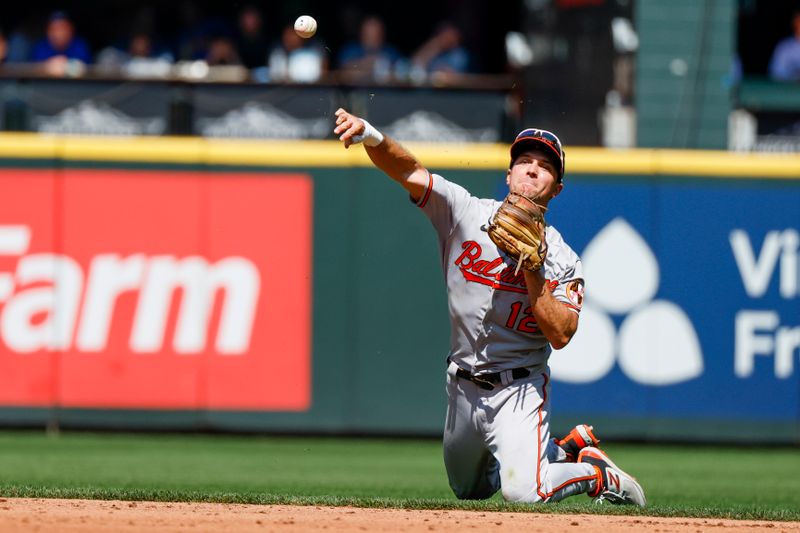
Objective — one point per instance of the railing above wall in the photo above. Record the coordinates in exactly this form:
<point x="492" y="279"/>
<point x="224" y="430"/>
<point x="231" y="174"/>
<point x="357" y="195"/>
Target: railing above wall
<point x="225" y="105"/>
<point x="195" y="73"/>
<point x="763" y="94"/>
<point x="769" y="115"/>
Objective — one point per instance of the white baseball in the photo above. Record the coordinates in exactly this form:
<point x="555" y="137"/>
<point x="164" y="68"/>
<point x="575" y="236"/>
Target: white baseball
<point x="305" y="26"/>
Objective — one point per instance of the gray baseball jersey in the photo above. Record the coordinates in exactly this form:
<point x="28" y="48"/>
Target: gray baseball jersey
<point x="492" y="327"/>
<point x="499" y="438"/>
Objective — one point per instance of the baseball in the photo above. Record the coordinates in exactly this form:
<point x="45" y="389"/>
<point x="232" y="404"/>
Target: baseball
<point x="305" y="26"/>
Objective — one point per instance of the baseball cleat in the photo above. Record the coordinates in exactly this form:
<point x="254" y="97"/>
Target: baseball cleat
<point x="614" y="485"/>
<point x="577" y="439"/>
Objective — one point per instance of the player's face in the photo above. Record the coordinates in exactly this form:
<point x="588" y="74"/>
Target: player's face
<point x="534" y="174"/>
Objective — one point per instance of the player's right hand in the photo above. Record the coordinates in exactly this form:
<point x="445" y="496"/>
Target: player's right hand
<point x="347" y="127"/>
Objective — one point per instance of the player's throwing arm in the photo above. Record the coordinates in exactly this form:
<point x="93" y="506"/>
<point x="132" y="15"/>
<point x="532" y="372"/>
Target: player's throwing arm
<point x="386" y="153"/>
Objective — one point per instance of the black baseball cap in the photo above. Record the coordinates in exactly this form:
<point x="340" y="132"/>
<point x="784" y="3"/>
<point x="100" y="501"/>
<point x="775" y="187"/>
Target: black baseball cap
<point x="535" y="137"/>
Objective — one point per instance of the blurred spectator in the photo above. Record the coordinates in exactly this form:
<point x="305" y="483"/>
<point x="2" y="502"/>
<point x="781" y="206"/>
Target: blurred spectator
<point x="60" y="45"/>
<point x="251" y="44"/>
<point x="349" y="19"/>
<point x="222" y="51"/>
<point x="370" y="58"/>
<point x="140" y="46"/>
<point x="785" y="63"/>
<point x="19" y="48"/>
<point x="442" y="55"/>
<point x="297" y="59"/>
<point x="20" y="41"/>
<point x="735" y="73"/>
<point x="3" y="47"/>
<point x="140" y="57"/>
<point x="197" y="32"/>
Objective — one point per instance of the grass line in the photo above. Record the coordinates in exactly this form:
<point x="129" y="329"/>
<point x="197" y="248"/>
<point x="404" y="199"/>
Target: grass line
<point x="89" y="493"/>
<point x="680" y="481"/>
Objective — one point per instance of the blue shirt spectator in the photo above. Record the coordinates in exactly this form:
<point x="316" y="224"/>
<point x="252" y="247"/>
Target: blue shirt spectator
<point x="785" y="63"/>
<point x="442" y="54"/>
<point x="453" y="60"/>
<point x="60" y="40"/>
<point x="19" y="48"/>
<point x="370" y="58"/>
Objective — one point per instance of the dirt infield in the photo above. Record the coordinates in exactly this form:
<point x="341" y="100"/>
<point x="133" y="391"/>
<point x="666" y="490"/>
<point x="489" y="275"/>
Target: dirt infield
<point x="20" y="514"/>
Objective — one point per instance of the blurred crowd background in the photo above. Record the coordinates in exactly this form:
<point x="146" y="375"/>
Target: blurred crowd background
<point x="558" y="61"/>
<point x="361" y="40"/>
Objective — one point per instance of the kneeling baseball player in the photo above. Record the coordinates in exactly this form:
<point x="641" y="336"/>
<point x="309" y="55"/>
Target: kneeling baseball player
<point x="515" y="290"/>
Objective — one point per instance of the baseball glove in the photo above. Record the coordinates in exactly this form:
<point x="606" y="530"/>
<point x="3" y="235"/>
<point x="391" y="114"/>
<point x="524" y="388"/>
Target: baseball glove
<point x="518" y="228"/>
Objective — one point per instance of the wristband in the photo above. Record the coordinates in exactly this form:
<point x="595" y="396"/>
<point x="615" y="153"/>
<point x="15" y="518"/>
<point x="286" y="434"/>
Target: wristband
<point x="370" y="137"/>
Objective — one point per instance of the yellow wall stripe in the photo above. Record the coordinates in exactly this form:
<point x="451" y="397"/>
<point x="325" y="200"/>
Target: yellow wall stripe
<point x="309" y="154"/>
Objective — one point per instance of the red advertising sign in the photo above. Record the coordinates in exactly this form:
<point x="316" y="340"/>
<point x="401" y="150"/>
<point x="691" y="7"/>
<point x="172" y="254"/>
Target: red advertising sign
<point x="155" y="289"/>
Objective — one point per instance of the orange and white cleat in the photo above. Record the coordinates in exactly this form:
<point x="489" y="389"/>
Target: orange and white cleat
<point x="613" y="484"/>
<point x="577" y="439"/>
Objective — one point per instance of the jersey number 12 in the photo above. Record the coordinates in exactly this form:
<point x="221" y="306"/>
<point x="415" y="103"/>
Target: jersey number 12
<point x="526" y="324"/>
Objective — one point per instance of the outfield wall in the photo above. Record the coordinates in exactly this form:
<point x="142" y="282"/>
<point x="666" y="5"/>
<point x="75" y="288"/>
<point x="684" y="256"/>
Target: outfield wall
<point x="289" y="287"/>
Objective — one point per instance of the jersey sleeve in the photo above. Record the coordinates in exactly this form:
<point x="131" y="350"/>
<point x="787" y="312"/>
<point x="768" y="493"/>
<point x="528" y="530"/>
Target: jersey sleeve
<point x="567" y="271"/>
<point x="444" y="203"/>
<point x="569" y="291"/>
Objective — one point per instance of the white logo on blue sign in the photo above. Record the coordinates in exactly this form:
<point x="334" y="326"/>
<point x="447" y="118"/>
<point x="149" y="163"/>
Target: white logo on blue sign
<point x="656" y="343"/>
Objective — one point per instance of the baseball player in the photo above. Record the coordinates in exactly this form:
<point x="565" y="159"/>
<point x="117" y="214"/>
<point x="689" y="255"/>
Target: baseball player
<point x="504" y="324"/>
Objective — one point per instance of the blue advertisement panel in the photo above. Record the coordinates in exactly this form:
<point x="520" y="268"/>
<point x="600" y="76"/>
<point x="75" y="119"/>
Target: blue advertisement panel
<point x="692" y="306"/>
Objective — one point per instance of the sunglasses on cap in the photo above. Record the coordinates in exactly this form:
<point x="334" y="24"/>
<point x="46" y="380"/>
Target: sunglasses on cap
<point x="542" y="137"/>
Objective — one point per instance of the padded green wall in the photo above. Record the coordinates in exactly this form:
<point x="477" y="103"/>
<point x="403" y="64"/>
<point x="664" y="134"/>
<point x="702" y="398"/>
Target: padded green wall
<point x="683" y="67"/>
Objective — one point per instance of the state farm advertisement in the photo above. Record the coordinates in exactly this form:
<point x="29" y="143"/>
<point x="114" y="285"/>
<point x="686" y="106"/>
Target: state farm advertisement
<point x="145" y="289"/>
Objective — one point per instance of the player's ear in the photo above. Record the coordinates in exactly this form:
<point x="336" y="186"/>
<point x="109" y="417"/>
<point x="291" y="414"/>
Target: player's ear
<point x="558" y="190"/>
<point x="508" y="177"/>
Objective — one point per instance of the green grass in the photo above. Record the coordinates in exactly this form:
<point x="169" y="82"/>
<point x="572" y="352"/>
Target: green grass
<point x="679" y="480"/>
